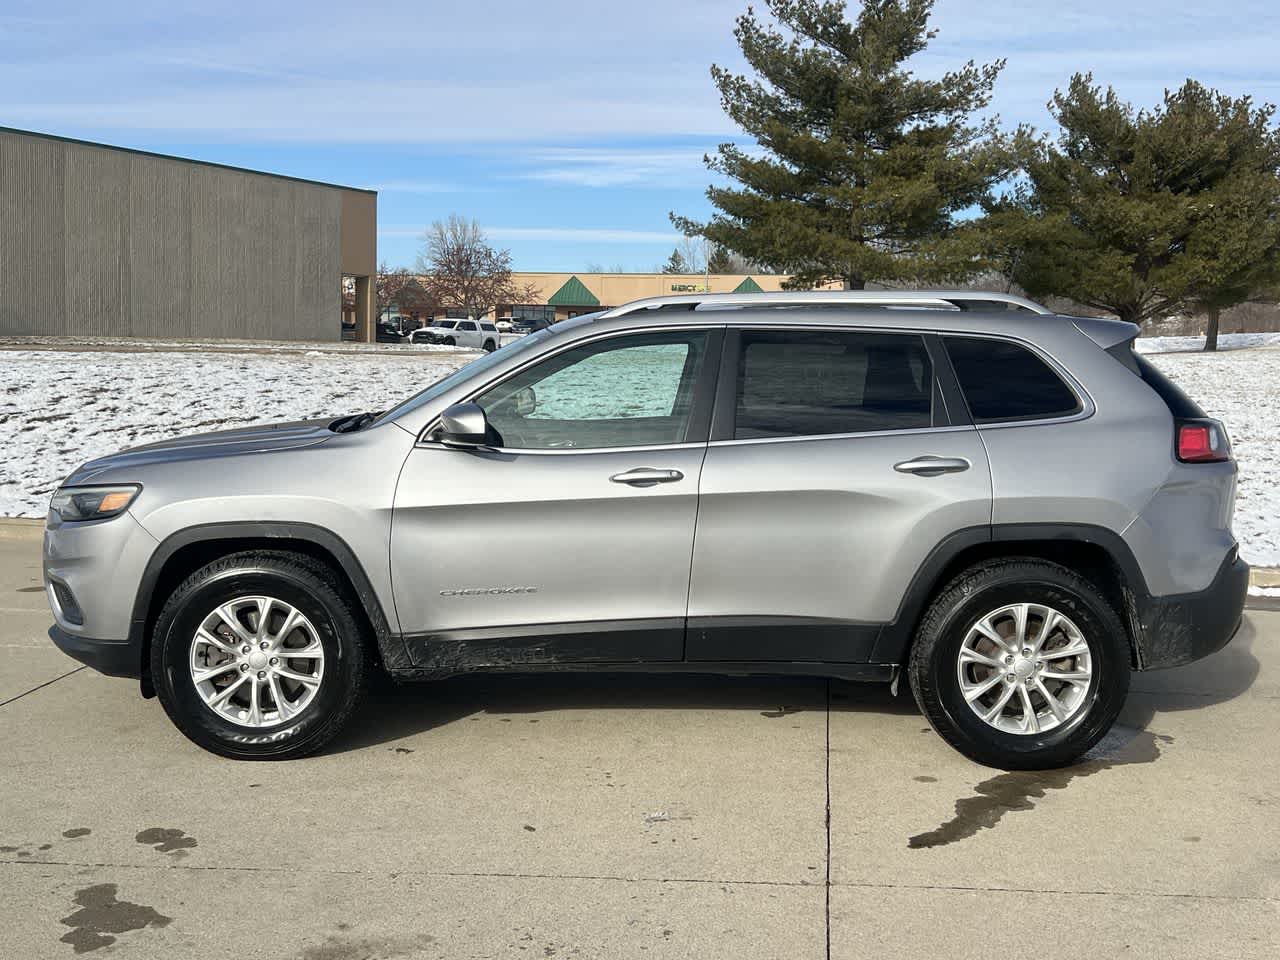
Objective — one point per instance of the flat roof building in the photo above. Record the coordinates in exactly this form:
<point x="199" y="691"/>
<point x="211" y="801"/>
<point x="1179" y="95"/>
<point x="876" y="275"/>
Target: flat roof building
<point x="108" y="241"/>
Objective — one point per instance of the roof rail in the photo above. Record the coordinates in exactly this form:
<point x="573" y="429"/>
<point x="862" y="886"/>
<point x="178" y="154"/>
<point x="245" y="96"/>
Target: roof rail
<point x="913" y="299"/>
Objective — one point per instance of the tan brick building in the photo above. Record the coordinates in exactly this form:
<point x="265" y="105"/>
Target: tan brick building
<point x="563" y="295"/>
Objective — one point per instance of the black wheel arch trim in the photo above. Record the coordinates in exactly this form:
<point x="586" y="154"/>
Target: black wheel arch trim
<point x="390" y="645"/>
<point x="894" y="641"/>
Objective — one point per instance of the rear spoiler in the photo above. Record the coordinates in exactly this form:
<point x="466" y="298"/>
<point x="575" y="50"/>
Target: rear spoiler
<point x="1106" y="333"/>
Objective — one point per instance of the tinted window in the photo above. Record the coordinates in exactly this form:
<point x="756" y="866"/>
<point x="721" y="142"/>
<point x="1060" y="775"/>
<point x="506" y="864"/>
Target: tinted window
<point x="445" y="324"/>
<point x="1005" y="381"/>
<point x="470" y="327"/>
<point x="797" y="383"/>
<point x="488" y="328"/>
<point x="621" y="392"/>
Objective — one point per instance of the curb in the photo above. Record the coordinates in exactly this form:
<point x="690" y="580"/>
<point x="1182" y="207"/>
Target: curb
<point x="1264" y="577"/>
<point x="21" y="528"/>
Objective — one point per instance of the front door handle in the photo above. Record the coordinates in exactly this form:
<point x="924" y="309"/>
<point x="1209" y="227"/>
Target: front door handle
<point x="930" y="466"/>
<point x="647" y="477"/>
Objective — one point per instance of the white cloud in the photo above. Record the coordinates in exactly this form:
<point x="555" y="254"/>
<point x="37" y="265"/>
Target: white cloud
<point x="557" y="234"/>
<point x="583" y="234"/>
<point x="420" y="186"/>
<point x="604" y="167"/>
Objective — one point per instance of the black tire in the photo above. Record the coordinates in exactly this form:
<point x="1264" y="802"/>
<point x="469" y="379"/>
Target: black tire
<point x="314" y="590"/>
<point x="489" y="346"/>
<point x="973" y="594"/>
<point x="450" y="342"/>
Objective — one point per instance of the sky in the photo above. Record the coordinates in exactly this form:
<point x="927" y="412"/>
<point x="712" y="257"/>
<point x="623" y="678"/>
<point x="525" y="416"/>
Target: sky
<point x="568" y="130"/>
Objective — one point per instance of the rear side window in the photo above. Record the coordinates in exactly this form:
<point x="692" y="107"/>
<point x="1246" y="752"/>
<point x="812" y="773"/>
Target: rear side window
<point x="1005" y="381"/>
<point x="801" y="383"/>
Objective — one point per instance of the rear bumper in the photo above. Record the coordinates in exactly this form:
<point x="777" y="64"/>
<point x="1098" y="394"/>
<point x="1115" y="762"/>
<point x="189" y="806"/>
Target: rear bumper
<point x="1178" y="629"/>
<point x="115" y="658"/>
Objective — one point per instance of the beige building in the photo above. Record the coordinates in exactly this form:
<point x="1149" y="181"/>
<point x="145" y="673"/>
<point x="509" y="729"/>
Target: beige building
<point x="560" y="296"/>
<point x="97" y="240"/>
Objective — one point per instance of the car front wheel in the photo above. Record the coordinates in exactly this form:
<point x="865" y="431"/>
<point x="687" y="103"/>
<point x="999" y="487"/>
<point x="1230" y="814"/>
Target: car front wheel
<point x="1021" y="664"/>
<point x="259" y="656"/>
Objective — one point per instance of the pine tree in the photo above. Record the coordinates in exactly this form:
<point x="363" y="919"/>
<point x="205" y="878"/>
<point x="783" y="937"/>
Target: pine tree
<point x="720" y="261"/>
<point x="1143" y="213"/>
<point x="675" y="263"/>
<point x="865" y="166"/>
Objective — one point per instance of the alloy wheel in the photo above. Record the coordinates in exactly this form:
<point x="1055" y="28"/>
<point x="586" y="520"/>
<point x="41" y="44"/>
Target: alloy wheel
<point x="1025" y="668"/>
<point x="257" y="661"/>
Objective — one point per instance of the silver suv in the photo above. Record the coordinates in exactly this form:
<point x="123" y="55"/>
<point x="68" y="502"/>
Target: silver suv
<point x="1009" y="507"/>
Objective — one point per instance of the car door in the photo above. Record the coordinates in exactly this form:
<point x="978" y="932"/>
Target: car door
<point x="569" y="539"/>
<point x="468" y="334"/>
<point x="834" y="468"/>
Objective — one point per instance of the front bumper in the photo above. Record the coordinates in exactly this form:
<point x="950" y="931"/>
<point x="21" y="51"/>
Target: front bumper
<point x="1181" y="628"/>
<point x="115" y="658"/>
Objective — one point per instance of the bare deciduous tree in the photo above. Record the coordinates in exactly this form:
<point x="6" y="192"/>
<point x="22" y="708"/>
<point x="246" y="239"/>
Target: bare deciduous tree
<point x="461" y="269"/>
<point x="401" y="289"/>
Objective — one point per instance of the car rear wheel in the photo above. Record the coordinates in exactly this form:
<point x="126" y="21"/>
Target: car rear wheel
<point x="1021" y="664"/>
<point x="489" y="346"/>
<point x="259" y="656"/>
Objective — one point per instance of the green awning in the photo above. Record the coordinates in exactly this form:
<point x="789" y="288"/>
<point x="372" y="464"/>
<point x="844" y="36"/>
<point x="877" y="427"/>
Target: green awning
<point x="574" y="294"/>
<point x="748" y="286"/>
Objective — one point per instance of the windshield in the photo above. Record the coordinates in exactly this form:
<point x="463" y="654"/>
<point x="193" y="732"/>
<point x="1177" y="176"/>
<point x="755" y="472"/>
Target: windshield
<point x="464" y="373"/>
<point x="447" y="324"/>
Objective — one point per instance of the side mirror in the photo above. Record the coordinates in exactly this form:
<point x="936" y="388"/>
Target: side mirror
<point x="464" y="425"/>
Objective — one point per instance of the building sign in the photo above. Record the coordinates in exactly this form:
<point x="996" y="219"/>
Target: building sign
<point x="687" y="288"/>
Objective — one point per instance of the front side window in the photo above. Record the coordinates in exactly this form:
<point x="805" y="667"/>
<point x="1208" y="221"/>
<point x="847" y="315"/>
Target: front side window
<point x="1005" y="381"/>
<point x="625" y="391"/>
<point x="802" y="383"/>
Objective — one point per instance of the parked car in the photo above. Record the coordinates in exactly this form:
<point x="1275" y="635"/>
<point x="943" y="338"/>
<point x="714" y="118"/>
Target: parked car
<point x="504" y="325"/>
<point x="531" y="326"/>
<point x="480" y="334"/>
<point x="1012" y="510"/>
<point x="394" y="330"/>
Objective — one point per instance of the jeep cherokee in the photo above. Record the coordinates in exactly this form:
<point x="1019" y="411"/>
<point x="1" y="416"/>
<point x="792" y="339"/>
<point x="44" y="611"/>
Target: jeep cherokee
<point x="1012" y="508"/>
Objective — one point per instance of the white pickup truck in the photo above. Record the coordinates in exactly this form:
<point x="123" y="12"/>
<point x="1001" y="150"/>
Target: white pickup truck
<point x="480" y="334"/>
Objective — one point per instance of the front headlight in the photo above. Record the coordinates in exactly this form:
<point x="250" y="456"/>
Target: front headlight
<point x="70" y="504"/>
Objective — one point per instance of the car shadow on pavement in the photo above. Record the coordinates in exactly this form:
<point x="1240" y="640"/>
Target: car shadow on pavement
<point x="394" y="711"/>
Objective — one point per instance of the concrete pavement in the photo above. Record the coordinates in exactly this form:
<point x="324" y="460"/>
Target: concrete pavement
<point x="632" y="817"/>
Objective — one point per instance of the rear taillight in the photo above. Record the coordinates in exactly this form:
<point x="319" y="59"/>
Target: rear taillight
<point x="1202" y="441"/>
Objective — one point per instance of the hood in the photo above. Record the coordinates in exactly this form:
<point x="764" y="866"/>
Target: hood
<point x="223" y="443"/>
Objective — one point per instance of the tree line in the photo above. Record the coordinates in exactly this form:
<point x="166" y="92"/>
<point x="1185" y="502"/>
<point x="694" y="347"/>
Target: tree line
<point x="864" y="172"/>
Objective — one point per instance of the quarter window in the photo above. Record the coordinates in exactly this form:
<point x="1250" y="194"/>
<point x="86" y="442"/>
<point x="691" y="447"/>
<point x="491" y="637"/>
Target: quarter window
<point x="800" y="383"/>
<point x="1005" y="381"/>
<point x="621" y="392"/>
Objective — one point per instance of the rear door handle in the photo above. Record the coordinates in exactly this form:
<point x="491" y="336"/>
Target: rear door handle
<point x="930" y="466"/>
<point x="647" y="477"/>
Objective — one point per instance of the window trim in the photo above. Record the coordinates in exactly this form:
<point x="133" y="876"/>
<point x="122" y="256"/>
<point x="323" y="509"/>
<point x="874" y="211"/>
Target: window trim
<point x="700" y="409"/>
<point x="1085" y="407"/>
<point x="724" y="416"/>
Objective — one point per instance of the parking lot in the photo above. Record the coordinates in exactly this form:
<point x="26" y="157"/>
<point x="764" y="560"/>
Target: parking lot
<point x="603" y="817"/>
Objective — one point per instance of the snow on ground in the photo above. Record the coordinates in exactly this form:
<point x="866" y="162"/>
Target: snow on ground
<point x="65" y="402"/>
<point x="59" y="408"/>
<point x="1226" y="341"/>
